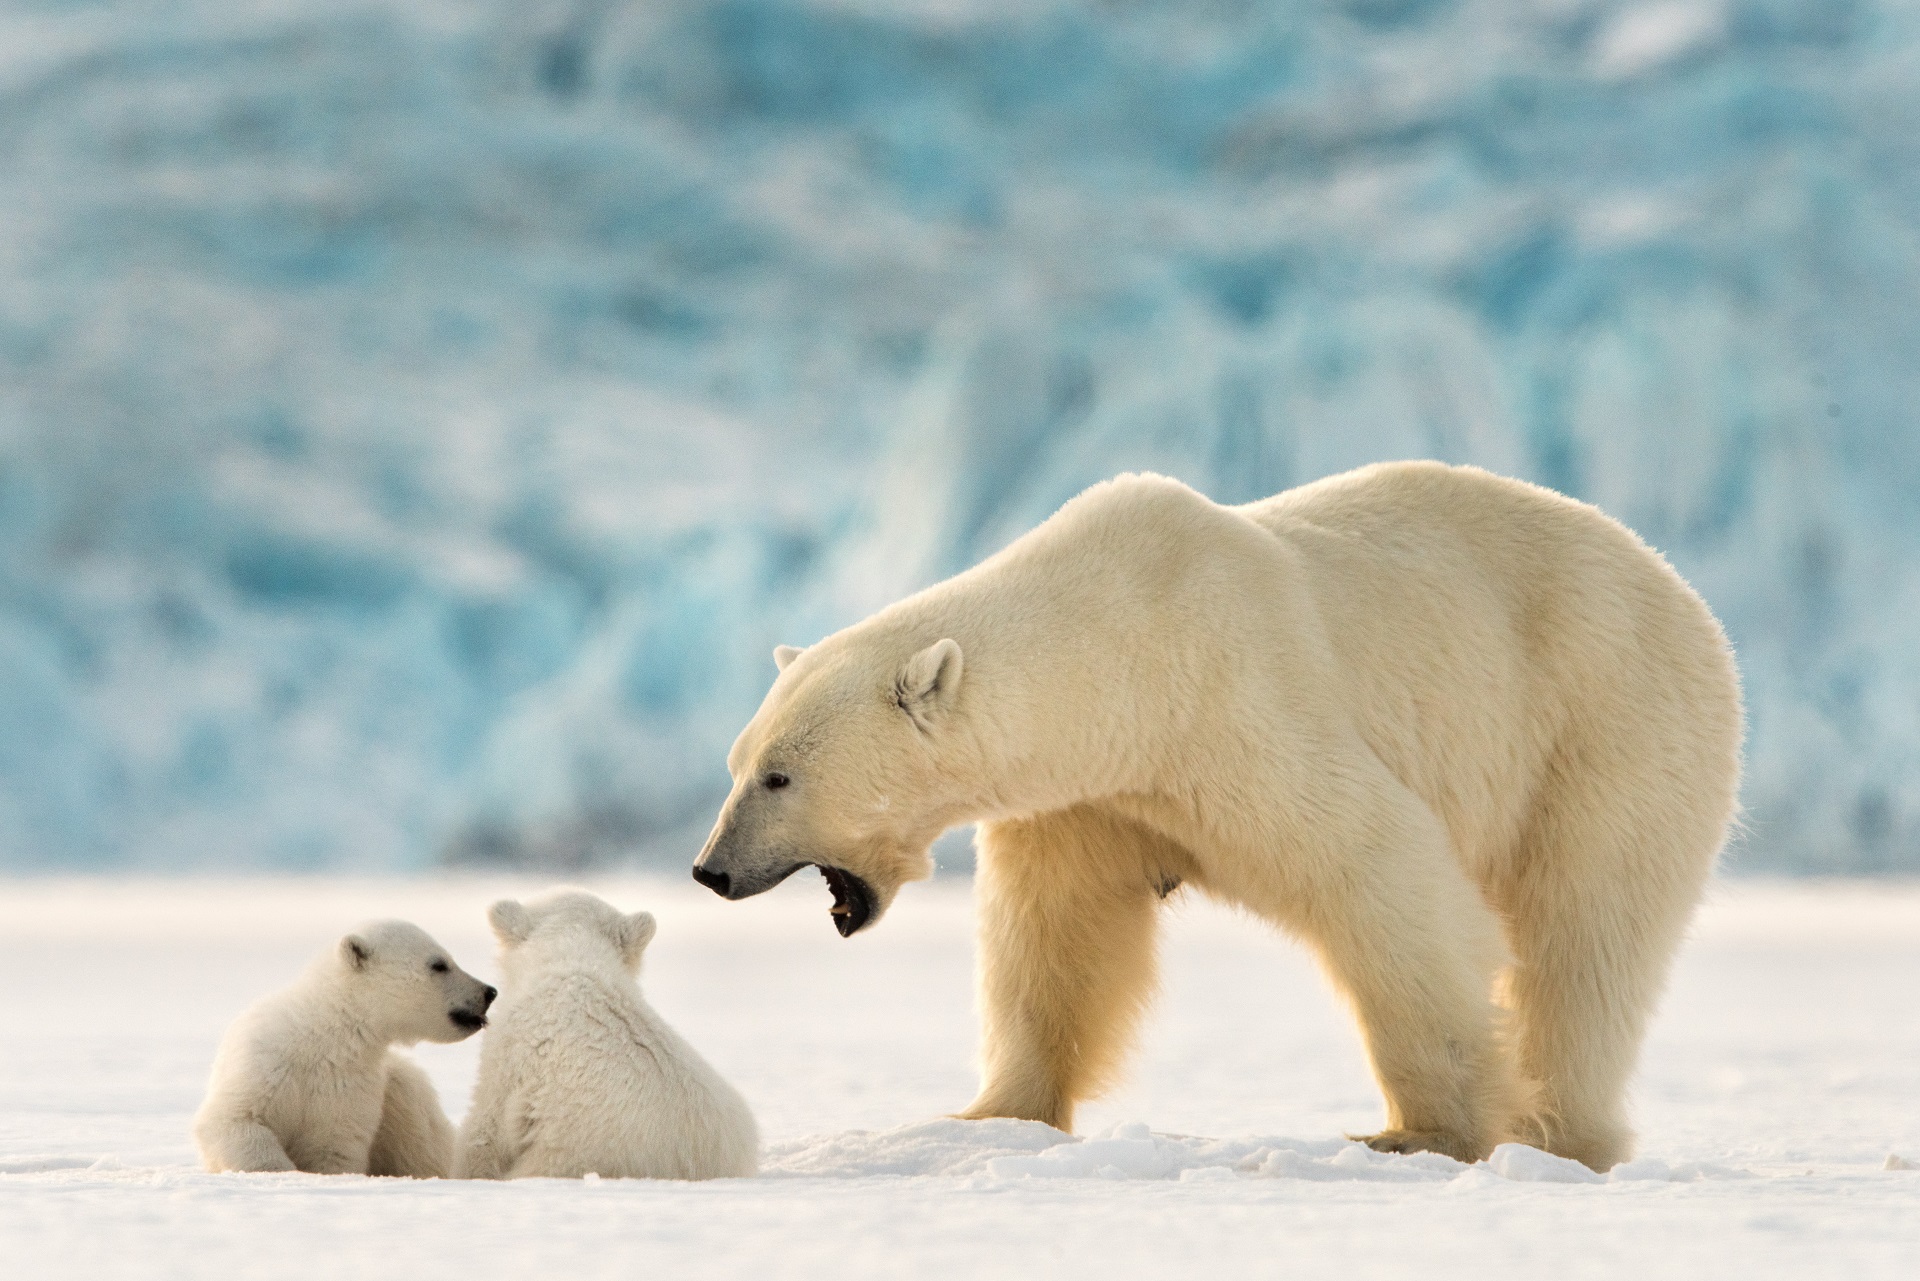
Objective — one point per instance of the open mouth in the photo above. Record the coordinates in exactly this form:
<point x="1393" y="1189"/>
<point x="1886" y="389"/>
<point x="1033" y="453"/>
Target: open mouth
<point x="468" y="1020"/>
<point x="852" y="900"/>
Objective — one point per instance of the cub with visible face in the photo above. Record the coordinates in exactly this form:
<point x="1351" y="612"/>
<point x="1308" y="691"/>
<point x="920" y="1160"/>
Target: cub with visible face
<point x="305" y="1079"/>
<point x="579" y="1074"/>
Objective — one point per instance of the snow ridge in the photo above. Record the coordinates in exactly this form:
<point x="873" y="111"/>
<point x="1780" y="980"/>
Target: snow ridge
<point x="1007" y="1149"/>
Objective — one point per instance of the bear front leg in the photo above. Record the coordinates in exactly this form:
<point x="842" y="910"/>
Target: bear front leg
<point x="1067" y="909"/>
<point x="481" y="1154"/>
<point x="415" y="1139"/>
<point x="487" y="1146"/>
<point x="237" y="1145"/>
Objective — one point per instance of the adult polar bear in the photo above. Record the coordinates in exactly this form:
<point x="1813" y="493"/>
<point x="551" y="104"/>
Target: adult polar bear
<point x="1471" y="740"/>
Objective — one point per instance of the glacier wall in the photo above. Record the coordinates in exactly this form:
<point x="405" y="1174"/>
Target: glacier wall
<point x="419" y="420"/>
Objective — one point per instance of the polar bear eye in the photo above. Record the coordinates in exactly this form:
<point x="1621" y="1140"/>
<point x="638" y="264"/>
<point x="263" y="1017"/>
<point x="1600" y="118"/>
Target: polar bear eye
<point x="775" y="781"/>
<point x="438" y="967"/>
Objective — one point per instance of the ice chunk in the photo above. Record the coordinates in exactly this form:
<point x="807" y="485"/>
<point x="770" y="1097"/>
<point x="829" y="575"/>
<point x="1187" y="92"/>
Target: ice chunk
<point x="1524" y="1164"/>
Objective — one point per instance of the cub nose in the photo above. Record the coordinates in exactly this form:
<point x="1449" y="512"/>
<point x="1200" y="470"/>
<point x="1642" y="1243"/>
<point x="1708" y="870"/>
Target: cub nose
<point x="718" y="882"/>
<point x="486" y="997"/>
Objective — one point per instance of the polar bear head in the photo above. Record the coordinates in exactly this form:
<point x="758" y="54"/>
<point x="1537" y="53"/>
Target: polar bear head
<point x="406" y="985"/>
<point x="571" y="928"/>
<point x="857" y="760"/>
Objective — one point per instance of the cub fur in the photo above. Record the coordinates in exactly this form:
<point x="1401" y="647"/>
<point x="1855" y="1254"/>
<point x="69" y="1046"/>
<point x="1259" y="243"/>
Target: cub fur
<point x="579" y="1075"/>
<point x="305" y="1079"/>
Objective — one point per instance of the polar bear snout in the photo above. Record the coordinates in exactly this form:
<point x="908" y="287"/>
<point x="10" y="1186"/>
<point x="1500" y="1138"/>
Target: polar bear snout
<point x="719" y="882"/>
<point x="738" y="884"/>
<point x="733" y="870"/>
<point x="473" y="1017"/>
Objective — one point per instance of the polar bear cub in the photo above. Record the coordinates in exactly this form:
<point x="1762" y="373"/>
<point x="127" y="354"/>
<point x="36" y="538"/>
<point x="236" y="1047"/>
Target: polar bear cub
<point x="304" y="1080"/>
<point x="579" y="1075"/>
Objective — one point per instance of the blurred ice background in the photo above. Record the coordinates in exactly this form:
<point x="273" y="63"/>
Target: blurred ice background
<point x="418" y="420"/>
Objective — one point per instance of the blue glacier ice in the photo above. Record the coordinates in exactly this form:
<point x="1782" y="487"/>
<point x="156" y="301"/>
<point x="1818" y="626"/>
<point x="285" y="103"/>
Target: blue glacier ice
<point x="419" y="420"/>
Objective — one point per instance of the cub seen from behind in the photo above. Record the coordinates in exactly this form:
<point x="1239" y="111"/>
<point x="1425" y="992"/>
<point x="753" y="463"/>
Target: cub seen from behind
<point x="579" y="1075"/>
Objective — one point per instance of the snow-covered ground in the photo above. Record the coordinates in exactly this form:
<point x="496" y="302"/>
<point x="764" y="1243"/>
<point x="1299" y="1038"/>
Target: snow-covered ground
<point x="1783" y="1073"/>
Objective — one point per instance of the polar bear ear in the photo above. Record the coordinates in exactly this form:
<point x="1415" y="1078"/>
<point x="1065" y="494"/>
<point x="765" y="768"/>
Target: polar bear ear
<point x="355" y="952"/>
<point x="929" y="682"/>
<point x="784" y="654"/>
<point x="633" y="934"/>
<point x="511" y="922"/>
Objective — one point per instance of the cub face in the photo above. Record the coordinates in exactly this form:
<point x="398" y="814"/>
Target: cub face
<point x="410" y="986"/>
<point x="851" y="765"/>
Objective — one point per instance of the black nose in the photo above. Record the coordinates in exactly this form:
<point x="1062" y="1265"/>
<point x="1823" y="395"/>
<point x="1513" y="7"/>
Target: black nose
<point x="718" y="882"/>
<point x="487" y="998"/>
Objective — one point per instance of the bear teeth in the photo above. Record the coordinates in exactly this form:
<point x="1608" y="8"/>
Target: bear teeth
<point x="851" y="900"/>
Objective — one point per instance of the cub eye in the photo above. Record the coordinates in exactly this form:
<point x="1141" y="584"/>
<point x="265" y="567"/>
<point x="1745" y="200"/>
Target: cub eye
<point x="775" y="781"/>
<point x="438" y="967"/>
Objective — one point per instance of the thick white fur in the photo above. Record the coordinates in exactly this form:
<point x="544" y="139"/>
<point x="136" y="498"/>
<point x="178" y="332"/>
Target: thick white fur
<point x="1471" y="740"/>
<point x="304" y="1080"/>
<point x="579" y="1075"/>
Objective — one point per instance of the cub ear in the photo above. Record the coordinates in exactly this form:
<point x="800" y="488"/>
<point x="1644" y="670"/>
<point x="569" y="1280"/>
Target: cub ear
<point x="511" y="922"/>
<point x="784" y="654"/>
<point x="633" y="934"/>
<point x="928" y="683"/>
<point x="355" y="952"/>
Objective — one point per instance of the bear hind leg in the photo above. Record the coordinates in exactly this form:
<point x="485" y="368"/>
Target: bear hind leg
<point x="1417" y="971"/>
<point x="1596" y="908"/>
<point x="1408" y="939"/>
<point x="1067" y="908"/>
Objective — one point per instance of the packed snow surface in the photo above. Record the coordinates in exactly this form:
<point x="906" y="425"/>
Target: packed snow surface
<point x="420" y="418"/>
<point x="1776" y="1108"/>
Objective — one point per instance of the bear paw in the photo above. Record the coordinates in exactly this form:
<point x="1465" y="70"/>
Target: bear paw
<point x="1459" y="1147"/>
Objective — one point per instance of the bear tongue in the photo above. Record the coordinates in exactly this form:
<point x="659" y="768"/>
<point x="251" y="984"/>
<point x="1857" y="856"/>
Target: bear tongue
<point x="842" y="902"/>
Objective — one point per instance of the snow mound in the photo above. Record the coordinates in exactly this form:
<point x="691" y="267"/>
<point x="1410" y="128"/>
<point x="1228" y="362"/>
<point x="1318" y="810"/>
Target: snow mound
<point x="1653" y="1170"/>
<point x="49" y="1164"/>
<point x="1007" y="1149"/>
<point x="944" y="1147"/>
<point x="1523" y="1164"/>
<point x="1002" y="1150"/>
